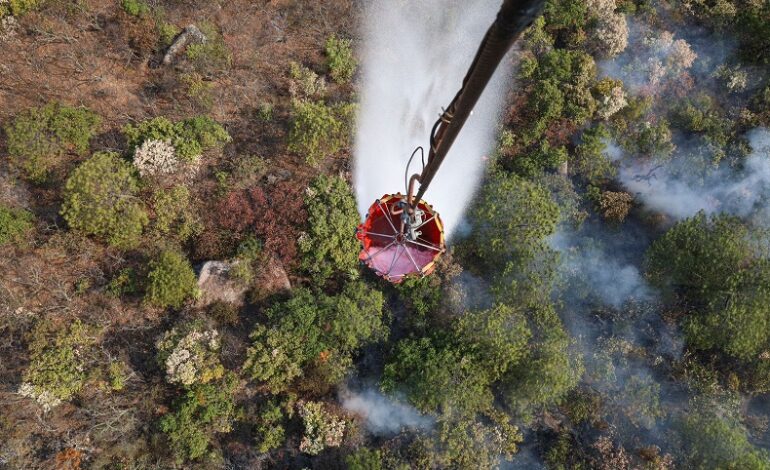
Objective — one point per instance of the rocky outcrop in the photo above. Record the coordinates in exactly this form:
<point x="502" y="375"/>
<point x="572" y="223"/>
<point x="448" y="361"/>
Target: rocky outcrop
<point x="216" y="284"/>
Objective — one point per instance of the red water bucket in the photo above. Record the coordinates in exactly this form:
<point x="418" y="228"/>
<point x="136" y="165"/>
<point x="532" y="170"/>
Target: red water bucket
<point x="391" y="254"/>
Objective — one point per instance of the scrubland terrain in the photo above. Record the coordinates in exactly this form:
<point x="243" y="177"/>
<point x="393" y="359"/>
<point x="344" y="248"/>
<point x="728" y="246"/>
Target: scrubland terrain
<point x="179" y="281"/>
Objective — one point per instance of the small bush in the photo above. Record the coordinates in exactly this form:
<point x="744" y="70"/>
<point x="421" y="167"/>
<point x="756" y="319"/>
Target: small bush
<point x="198" y="90"/>
<point x="327" y="247"/>
<point x="340" y="59"/>
<point x="190" y="137"/>
<point x="305" y="83"/>
<point x="56" y="369"/>
<point x="322" y="429"/>
<point x="190" y="355"/>
<point x="15" y="225"/>
<point x="174" y="213"/>
<point x="615" y="205"/>
<point x="212" y="56"/>
<point x="100" y="199"/>
<point x="125" y="282"/>
<point x="117" y="375"/>
<point x="249" y="253"/>
<point x="270" y="430"/>
<point x="39" y="137"/>
<point x="135" y="7"/>
<point x="171" y="280"/>
<point x="18" y="7"/>
<point x="319" y="130"/>
<point x="156" y="158"/>
<point x="198" y="415"/>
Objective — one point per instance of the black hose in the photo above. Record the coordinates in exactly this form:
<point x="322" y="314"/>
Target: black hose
<point x="512" y="19"/>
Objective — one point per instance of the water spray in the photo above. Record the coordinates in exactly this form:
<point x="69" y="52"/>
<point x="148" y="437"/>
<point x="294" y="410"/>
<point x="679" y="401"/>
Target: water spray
<point x="403" y="235"/>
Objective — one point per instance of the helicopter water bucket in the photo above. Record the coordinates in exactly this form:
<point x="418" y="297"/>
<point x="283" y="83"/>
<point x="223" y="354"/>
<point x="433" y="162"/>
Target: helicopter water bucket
<point x="395" y="252"/>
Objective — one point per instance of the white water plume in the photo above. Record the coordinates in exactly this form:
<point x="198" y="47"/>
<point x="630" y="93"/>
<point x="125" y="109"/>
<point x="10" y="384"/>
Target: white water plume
<point x="415" y="55"/>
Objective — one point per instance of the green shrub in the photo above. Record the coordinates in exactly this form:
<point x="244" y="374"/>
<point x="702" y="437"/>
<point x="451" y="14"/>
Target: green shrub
<point x="167" y="33"/>
<point x="190" y="137"/>
<point x="39" y="137"/>
<point x="57" y="363"/>
<point x="364" y="459"/>
<point x="19" y="7"/>
<point x="319" y="130"/>
<point x="306" y="84"/>
<point x="171" y="280"/>
<point x="212" y="56"/>
<point x="550" y="370"/>
<point x="711" y="261"/>
<point x="322" y="429"/>
<point x="125" y="282"/>
<point x="100" y="199"/>
<point x="15" y="225"/>
<point x="199" y="414"/>
<point x="712" y="438"/>
<point x="340" y="59"/>
<point x="174" y="213"/>
<point x="190" y="354"/>
<point x="135" y="7"/>
<point x="198" y="89"/>
<point x="309" y="328"/>
<point x="270" y="431"/>
<point x="327" y="247"/>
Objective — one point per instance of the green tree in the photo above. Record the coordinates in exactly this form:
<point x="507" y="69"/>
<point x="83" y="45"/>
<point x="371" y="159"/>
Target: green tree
<point x="319" y="130"/>
<point x="715" y="440"/>
<point x="57" y="368"/>
<point x="171" y="280"/>
<point x="100" y="199"/>
<point x="590" y="160"/>
<point x="340" y="59"/>
<point x="174" y="213"/>
<point x="698" y="254"/>
<point x="438" y="375"/>
<point x="714" y="262"/>
<point x="364" y="459"/>
<point x="510" y="217"/>
<point x="313" y="328"/>
<point x="198" y="415"/>
<point x="327" y="247"/>
<point x="549" y="371"/>
<point x="15" y="225"/>
<point x="190" y="137"/>
<point x="497" y="337"/>
<point x="542" y="157"/>
<point x="39" y="137"/>
<point x="270" y="431"/>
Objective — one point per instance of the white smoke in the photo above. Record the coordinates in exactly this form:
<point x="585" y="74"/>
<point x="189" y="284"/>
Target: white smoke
<point x="681" y="194"/>
<point x="600" y="272"/>
<point x="415" y="55"/>
<point x="384" y="415"/>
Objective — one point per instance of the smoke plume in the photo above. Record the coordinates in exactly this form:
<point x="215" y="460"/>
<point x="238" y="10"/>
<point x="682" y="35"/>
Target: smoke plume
<point x="415" y="56"/>
<point x="675" y="189"/>
<point x="383" y="415"/>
